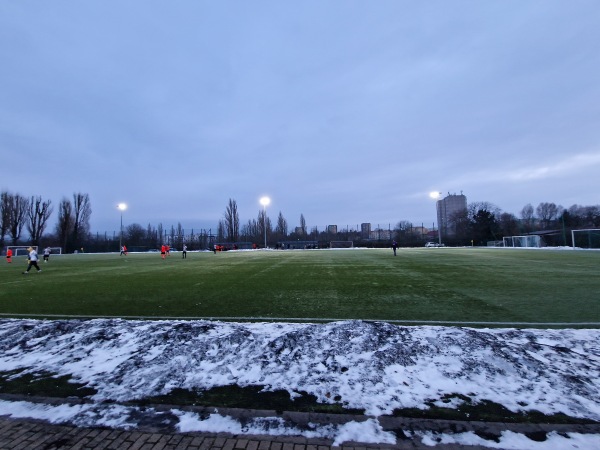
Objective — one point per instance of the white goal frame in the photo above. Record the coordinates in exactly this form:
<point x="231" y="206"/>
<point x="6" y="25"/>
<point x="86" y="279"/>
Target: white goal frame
<point x="54" y="250"/>
<point x="16" y="248"/>
<point x="586" y="230"/>
<point x="528" y="241"/>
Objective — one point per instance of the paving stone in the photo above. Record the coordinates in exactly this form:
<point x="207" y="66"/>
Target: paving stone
<point x="264" y="444"/>
<point x="206" y="443"/>
<point x="29" y="434"/>
<point x="252" y="445"/>
<point x="184" y="443"/>
<point x="140" y="441"/>
<point x="196" y="441"/>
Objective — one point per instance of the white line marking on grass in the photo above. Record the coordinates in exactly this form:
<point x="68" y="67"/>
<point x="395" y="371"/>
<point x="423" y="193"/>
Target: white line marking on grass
<point x="302" y="319"/>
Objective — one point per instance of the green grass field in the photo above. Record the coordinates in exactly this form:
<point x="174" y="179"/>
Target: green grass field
<point x="470" y="286"/>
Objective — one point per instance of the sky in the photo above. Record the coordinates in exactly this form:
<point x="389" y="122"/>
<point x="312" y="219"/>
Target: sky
<point x="342" y="111"/>
<point x="372" y="366"/>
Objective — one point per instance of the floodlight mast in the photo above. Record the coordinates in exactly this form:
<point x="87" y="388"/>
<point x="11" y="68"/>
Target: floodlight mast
<point x="122" y="207"/>
<point x="265" y="201"/>
<point x="436" y="196"/>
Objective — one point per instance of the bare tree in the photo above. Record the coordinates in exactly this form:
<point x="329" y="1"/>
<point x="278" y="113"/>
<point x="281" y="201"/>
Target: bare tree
<point x="160" y="232"/>
<point x="592" y="215"/>
<point x="82" y="210"/>
<point x="172" y="236"/>
<point x="302" y="224"/>
<point x="405" y="233"/>
<point x="232" y="221"/>
<point x="263" y="222"/>
<point x="19" y="206"/>
<point x="135" y="234"/>
<point x="509" y="225"/>
<point x="64" y="224"/>
<point x="282" y="228"/>
<point x="38" y="214"/>
<point x="547" y="212"/>
<point x="4" y="215"/>
<point x="475" y="207"/>
<point x="527" y="217"/>
<point x="180" y="235"/>
<point x="221" y="231"/>
<point x="251" y="230"/>
<point x="461" y="224"/>
<point x="483" y="222"/>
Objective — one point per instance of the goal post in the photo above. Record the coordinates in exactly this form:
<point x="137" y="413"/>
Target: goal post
<point x="532" y="240"/>
<point x="21" y="250"/>
<point x="586" y="238"/>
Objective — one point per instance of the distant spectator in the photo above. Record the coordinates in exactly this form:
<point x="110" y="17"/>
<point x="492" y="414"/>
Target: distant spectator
<point x="184" y="252"/>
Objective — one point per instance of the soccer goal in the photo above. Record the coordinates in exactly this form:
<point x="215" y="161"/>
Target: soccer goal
<point x="341" y="244"/>
<point x="21" y="250"/>
<point x="523" y="241"/>
<point x="55" y="250"/>
<point x="588" y="238"/>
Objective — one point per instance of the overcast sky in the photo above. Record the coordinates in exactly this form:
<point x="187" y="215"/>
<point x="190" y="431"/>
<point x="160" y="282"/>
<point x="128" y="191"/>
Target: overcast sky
<point x="343" y="111"/>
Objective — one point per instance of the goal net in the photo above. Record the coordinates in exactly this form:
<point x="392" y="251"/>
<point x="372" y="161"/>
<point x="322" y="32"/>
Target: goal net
<point x="522" y="241"/>
<point x="589" y="238"/>
<point x="21" y="250"/>
<point x="341" y="244"/>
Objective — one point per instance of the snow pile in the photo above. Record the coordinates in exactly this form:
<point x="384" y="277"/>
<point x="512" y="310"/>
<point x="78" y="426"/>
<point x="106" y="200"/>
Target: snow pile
<point x="373" y="366"/>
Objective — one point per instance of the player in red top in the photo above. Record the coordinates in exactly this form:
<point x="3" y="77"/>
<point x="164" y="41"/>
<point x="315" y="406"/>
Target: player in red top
<point x="163" y="251"/>
<point x="9" y="255"/>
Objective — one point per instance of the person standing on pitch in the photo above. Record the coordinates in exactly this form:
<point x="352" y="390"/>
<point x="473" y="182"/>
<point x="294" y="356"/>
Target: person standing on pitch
<point x="9" y="255"/>
<point x="184" y="252"/>
<point x="163" y="251"/>
<point x="47" y="252"/>
<point x="394" y="247"/>
<point x="33" y="260"/>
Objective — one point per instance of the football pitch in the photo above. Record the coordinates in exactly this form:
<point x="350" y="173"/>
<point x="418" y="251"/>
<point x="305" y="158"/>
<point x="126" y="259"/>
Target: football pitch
<point x="446" y="286"/>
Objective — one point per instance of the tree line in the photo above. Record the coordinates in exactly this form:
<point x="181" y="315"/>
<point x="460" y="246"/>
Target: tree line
<point x="483" y="221"/>
<point x="479" y="223"/>
<point x="18" y="212"/>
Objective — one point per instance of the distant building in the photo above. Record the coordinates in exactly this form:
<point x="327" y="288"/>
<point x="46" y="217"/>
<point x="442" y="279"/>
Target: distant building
<point x="299" y="230"/>
<point x="332" y="229"/>
<point x="420" y="231"/>
<point x="447" y="209"/>
<point x="380" y="234"/>
<point x="365" y="230"/>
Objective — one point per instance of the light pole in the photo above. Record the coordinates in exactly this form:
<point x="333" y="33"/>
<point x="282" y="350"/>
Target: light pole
<point x="436" y="196"/>
<point x="265" y="201"/>
<point x="122" y="207"/>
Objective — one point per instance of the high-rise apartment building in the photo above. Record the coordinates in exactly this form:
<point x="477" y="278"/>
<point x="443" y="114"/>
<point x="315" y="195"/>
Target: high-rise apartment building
<point x="447" y="209"/>
<point x="365" y="230"/>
